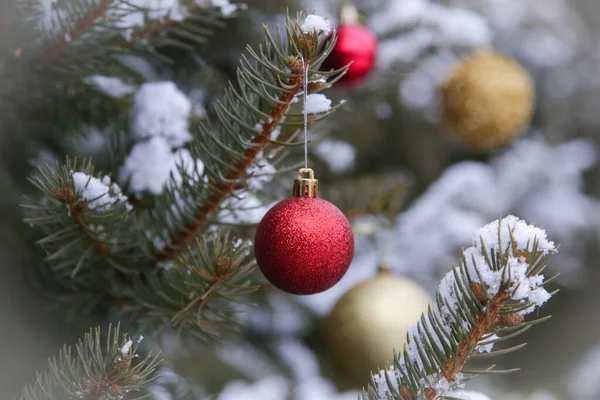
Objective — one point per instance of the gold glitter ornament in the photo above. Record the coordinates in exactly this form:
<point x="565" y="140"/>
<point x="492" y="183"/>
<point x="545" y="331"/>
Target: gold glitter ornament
<point x="371" y="320"/>
<point x="488" y="100"/>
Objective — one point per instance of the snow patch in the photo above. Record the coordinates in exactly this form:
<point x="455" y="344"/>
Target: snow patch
<point x="161" y="109"/>
<point x="317" y="103"/>
<point x="151" y="165"/>
<point x="338" y="155"/>
<point x="112" y="86"/>
<point x="100" y="194"/>
<point x="126" y="347"/>
<point x="315" y="24"/>
<point x="469" y="395"/>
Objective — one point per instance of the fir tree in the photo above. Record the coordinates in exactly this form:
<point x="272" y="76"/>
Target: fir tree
<point x="142" y="156"/>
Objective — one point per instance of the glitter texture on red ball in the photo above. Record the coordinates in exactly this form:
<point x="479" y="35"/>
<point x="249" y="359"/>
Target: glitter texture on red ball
<point x="304" y="245"/>
<point x="355" y="44"/>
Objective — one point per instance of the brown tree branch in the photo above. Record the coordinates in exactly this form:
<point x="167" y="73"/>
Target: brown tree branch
<point x="54" y="50"/>
<point x="77" y="212"/>
<point x="225" y="188"/>
<point x="151" y="28"/>
<point x="485" y="319"/>
<point x="81" y="27"/>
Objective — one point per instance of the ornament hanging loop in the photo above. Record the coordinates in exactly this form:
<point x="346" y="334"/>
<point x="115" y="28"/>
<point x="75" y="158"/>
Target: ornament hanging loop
<point x="348" y="13"/>
<point x="305" y="187"/>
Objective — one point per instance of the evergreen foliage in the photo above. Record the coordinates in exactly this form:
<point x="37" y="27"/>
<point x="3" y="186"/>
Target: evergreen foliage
<point x="100" y="243"/>
<point x="97" y="369"/>
<point x="172" y="261"/>
<point x="480" y="303"/>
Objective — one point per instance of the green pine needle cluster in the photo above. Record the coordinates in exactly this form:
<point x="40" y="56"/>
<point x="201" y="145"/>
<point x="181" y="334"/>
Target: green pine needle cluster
<point x="97" y="369"/>
<point x="471" y="315"/>
<point x="139" y="258"/>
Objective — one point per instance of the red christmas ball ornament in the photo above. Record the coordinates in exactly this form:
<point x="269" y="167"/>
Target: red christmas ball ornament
<point x="355" y="44"/>
<point x="304" y="245"/>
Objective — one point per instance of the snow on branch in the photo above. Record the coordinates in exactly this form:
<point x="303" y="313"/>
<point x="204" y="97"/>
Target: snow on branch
<point x="480" y="303"/>
<point x="269" y="81"/>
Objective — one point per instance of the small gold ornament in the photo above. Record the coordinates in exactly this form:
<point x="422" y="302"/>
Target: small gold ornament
<point x="371" y="320"/>
<point x="488" y="100"/>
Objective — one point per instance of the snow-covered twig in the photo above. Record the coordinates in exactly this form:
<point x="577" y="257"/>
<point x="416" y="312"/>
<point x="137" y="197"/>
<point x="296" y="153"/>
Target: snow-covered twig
<point x="481" y="302"/>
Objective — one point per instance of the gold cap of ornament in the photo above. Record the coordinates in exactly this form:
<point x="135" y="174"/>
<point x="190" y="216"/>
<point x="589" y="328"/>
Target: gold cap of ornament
<point x="488" y="100"/>
<point x="305" y="187"/>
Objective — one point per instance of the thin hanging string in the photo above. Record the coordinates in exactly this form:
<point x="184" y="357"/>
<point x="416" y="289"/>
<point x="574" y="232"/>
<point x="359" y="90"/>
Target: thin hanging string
<point x="305" y="112"/>
<point x="305" y="96"/>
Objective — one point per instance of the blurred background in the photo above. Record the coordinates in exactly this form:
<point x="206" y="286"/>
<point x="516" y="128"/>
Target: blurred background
<point x="391" y="133"/>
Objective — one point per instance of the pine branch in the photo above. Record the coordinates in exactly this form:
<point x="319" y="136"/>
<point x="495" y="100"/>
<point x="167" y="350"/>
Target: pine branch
<point x="229" y="184"/>
<point x="87" y="221"/>
<point x="479" y="304"/>
<point x="158" y="26"/>
<point x="202" y="291"/>
<point x="57" y="45"/>
<point x="480" y="328"/>
<point x="95" y="371"/>
<point x="90" y="36"/>
<point x="82" y="26"/>
<point x="266" y="91"/>
<point x="97" y="243"/>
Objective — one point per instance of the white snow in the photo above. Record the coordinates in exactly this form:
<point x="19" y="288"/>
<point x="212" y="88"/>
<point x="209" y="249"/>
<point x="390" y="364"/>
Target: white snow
<point x="242" y="355"/>
<point x="226" y="7"/>
<point x="317" y="103"/>
<point x="419" y="89"/>
<point x="49" y="16"/>
<point x="260" y="173"/>
<point x="126" y="347"/>
<point x="400" y="14"/>
<point x="516" y="281"/>
<point x="469" y="395"/>
<point x="532" y="179"/>
<point x="522" y="286"/>
<point x="337" y="154"/>
<point x="161" y="109"/>
<point x="422" y="25"/>
<point x="453" y="26"/>
<point x="305" y="383"/>
<point x="271" y="388"/>
<point x="551" y="26"/>
<point x="44" y="159"/>
<point x="248" y="209"/>
<point x="170" y="385"/>
<point x="280" y="315"/>
<point x="299" y="358"/>
<point x="319" y="388"/>
<point x="485" y="346"/>
<point x="91" y="141"/>
<point x="112" y="86"/>
<point x="381" y="386"/>
<point x="100" y="194"/>
<point x="522" y="233"/>
<point x="315" y="24"/>
<point x="184" y="162"/>
<point x="584" y="378"/>
<point x="149" y="166"/>
<point x="136" y="14"/>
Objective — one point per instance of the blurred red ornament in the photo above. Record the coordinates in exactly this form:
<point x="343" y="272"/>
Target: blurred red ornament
<point x="304" y="245"/>
<point x="355" y="44"/>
